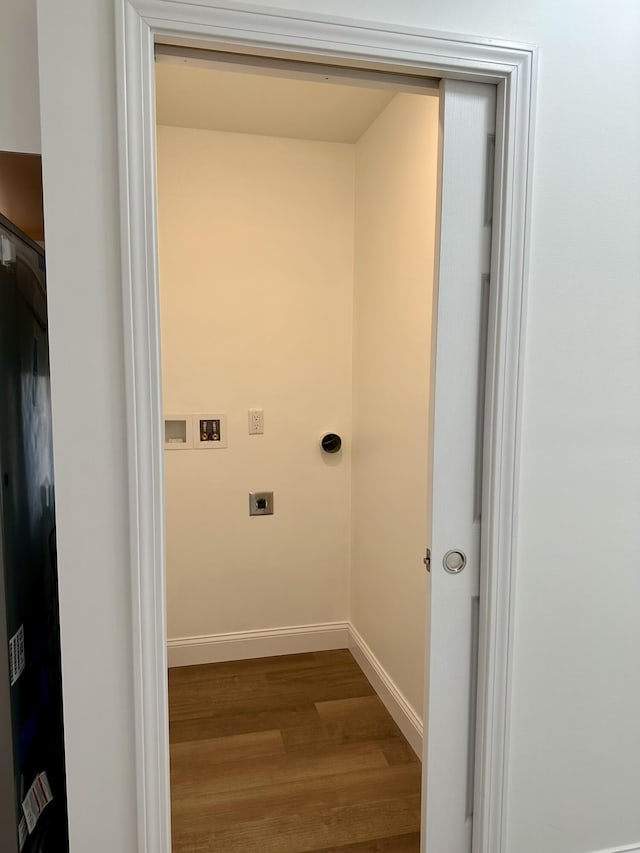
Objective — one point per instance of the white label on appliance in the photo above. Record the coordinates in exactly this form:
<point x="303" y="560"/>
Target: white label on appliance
<point x="23" y="833"/>
<point x="16" y="655"/>
<point x="7" y="251"/>
<point x="38" y="796"/>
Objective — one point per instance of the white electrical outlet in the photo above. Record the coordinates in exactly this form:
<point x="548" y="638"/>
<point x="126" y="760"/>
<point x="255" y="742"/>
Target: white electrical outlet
<point x="256" y="421"/>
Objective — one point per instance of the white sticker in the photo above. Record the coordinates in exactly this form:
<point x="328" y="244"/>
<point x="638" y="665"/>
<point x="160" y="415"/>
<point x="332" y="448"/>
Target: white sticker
<point x="38" y="796"/>
<point x="16" y="655"/>
<point x="22" y="832"/>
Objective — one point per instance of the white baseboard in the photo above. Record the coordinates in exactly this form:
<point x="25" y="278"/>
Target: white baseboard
<point x="396" y="704"/>
<point x="626" y="848"/>
<point x="214" y="648"/>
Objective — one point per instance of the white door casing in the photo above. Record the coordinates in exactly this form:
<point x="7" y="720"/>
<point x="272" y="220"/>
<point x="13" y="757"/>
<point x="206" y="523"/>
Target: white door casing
<point x="244" y="28"/>
<point x="467" y="128"/>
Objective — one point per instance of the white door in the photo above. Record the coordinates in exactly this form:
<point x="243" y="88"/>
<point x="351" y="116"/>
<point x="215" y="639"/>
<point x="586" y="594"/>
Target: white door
<point x="467" y="127"/>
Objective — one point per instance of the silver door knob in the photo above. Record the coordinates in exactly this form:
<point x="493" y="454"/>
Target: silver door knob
<point x="454" y="561"/>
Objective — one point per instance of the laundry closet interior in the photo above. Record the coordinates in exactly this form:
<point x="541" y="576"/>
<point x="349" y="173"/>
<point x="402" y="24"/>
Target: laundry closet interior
<point x="296" y="227"/>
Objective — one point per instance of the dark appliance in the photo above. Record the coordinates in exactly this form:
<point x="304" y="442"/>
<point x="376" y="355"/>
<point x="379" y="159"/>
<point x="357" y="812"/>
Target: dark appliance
<point x="33" y="806"/>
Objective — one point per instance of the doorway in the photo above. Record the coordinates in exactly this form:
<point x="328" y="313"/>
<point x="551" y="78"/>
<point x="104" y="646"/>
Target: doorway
<point x="358" y="45"/>
<point x="296" y="264"/>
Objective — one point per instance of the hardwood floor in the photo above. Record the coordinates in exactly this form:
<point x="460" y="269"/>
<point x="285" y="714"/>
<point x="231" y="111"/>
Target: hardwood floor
<point x="287" y="755"/>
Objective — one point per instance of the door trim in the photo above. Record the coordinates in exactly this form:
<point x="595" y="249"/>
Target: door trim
<point x="348" y="43"/>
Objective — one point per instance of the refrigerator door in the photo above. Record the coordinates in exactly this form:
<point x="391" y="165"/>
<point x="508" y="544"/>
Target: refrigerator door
<point x="30" y="641"/>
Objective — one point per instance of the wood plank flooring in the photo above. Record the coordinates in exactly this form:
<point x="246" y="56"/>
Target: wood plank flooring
<point x="288" y="754"/>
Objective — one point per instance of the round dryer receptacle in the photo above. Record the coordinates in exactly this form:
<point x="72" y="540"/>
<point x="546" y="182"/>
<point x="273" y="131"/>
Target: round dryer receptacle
<point x="331" y="442"/>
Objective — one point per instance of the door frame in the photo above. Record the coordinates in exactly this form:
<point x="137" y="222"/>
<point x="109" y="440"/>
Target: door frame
<point x="357" y="44"/>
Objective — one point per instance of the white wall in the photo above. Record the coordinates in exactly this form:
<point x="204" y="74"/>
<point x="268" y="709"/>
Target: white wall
<point x="256" y="285"/>
<point x="574" y="784"/>
<point x="19" y="97"/>
<point x="396" y="181"/>
<point x="87" y="388"/>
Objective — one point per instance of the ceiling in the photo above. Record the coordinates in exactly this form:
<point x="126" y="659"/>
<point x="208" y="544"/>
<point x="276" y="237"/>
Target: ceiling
<point x="189" y="95"/>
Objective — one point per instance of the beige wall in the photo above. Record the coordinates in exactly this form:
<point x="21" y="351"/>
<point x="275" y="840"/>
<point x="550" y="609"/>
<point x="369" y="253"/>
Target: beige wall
<point x="396" y="178"/>
<point x="265" y="305"/>
<point x="256" y="282"/>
